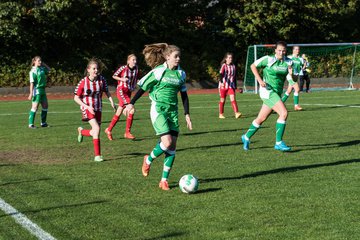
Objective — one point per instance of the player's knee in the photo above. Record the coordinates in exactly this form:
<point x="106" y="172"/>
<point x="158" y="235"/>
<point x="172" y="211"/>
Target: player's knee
<point x="132" y="111"/>
<point x="283" y="114"/>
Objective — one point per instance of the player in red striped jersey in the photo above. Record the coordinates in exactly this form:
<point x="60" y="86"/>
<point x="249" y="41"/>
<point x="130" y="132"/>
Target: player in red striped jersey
<point x="88" y="94"/>
<point x="227" y="85"/>
<point x="127" y="77"/>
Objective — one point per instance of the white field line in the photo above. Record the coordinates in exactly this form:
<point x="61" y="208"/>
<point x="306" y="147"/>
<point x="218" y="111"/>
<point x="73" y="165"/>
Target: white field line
<point x="199" y="107"/>
<point x="24" y="221"/>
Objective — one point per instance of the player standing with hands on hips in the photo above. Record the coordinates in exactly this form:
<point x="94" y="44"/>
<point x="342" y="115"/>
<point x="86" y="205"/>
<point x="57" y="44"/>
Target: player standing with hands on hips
<point x="276" y="69"/>
<point x="88" y="94"/>
<point x="37" y="95"/>
<point x="227" y="85"/>
<point x="127" y="77"/>
<point x="163" y="82"/>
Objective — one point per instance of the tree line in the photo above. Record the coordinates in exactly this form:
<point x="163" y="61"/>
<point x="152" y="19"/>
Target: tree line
<point x="66" y="33"/>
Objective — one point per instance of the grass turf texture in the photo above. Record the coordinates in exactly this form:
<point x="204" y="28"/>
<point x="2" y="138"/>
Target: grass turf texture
<point x="310" y="193"/>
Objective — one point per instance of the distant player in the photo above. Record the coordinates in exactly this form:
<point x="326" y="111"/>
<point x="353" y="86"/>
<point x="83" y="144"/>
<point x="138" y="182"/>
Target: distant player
<point x="163" y="83"/>
<point x="276" y="69"/>
<point x="88" y="94"/>
<point x="37" y="95"/>
<point x="298" y="64"/>
<point x="127" y="77"/>
<point x="227" y="85"/>
<point x="306" y="76"/>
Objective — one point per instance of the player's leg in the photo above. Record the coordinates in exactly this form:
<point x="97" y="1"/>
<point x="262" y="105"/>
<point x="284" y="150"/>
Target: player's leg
<point x="296" y="97"/>
<point x="222" y="93"/>
<point x="94" y="132"/>
<point x="170" y="141"/>
<point x="34" y="107"/>
<point x="302" y="77"/>
<point x="234" y="103"/>
<point x="281" y="110"/>
<point x="44" y="110"/>
<point x="113" y="122"/>
<point x="307" y="83"/>
<point x="129" y="122"/>
<point x="287" y="93"/>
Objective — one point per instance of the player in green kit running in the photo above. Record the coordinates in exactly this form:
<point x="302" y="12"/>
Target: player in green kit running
<point x="276" y="69"/>
<point x="298" y="65"/>
<point x="37" y="95"/>
<point x="163" y="82"/>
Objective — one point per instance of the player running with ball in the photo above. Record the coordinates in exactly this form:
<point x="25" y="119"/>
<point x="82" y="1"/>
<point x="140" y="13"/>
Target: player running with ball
<point x="163" y="83"/>
<point x="276" y="69"/>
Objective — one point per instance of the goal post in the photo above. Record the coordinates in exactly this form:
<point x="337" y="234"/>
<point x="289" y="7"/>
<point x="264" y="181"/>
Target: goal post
<point x="332" y="65"/>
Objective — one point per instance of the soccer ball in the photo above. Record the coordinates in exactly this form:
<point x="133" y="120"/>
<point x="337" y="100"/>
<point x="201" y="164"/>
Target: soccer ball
<point x="188" y="183"/>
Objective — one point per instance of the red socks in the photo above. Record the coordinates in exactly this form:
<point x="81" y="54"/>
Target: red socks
<point x="129" y="121"/>
<point x="96" y="143"/>
<point x="86" y="132"/>
<point x="221" y="107"/>
<point x="234" y="106"/>
<point x="114" y="120"/>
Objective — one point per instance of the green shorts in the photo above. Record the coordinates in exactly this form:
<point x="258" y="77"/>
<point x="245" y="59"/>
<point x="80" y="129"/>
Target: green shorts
<point x="269" y="97"/>
<point x="39" y="98"/>
<point x="163" y="119"/>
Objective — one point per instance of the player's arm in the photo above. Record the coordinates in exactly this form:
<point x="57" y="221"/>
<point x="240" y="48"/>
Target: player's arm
<point x="256" y="73"/>
<point x="290" y="76"/>
<point x="117" y="75"/>
<point x="108" y="94"/>
<point x="185" y="100"/>
<point x="83" y="105"/>
<point x="31" y="90"/>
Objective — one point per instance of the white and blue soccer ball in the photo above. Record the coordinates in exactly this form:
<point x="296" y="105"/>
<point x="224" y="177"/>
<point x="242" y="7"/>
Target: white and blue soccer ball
<point x="188" y="183"/>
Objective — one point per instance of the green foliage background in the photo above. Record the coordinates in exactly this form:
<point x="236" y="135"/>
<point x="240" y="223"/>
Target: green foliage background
<point x="66" y="33"/>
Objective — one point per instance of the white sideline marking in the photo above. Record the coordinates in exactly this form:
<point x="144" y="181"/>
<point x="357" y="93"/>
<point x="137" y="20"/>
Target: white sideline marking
<point x="24" y="221"/>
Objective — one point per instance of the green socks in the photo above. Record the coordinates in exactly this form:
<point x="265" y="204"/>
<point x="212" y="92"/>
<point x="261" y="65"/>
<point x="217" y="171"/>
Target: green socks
<point x="32" y="116"/>
<point x="284" y="97"/>
<point x="296" y="99"/>
<point x="157" y="151"/>
<point x="168" y="162"/>
<point x="280" y="129"/>
<point x="252" y="129"/>
<point x="43" y="115"/>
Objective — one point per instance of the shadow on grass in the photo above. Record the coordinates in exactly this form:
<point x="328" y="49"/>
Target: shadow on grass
<point x="210" y="146"/>
<point x="57" y="207"/>
<point x="330" y="145"/>
<point x="24" y="181"/>
<point x="164" y="236"/>
<point x="280" y="170"/>
<point x="7" y="165"/>
<point x="207" y="190"/>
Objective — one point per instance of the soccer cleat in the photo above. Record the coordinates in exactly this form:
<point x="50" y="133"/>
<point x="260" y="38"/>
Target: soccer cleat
<point x="164" y="185"/>
<point x="297" y="108"/>
<point x="44" y="125"/>
<point x="108" y="134"/>
<point x="282" y="147"/>
<point x="128" y="135"/>
<point x="238" y="114"/>
<point x="145" y="167"/>
<point x="221" y="116"/>
<point x="98" y="159"/>
<point x="80" y="136"/>
<point x="31" y="126"/>
<point x="245" y="142"/>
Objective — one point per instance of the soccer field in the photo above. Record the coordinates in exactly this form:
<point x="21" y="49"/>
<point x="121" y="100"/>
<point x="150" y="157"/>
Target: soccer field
<point x="312" y="192"/>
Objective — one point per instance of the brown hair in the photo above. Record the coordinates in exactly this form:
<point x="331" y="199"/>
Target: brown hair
<point x="224" y="59"/>
<point x="91" y="61"/>
<point x="155" y="53"/>
<point x="281" y="43"/>
<point x="34" y="59"/>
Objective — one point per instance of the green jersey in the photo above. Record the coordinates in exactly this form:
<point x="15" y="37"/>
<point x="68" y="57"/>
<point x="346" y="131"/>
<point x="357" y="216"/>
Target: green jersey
<point x="298" y="63"/>
<point x="274" y="71"/>
<point x="38" y="78"/>
<point x="163" y="85"/>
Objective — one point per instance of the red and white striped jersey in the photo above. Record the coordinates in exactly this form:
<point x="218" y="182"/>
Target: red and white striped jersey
<point x="131" y="74"/>
<point x="90" y="92"/>
<point x="228" y="76"/>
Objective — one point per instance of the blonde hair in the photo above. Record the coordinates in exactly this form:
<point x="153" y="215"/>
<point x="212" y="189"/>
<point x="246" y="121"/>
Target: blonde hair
<point x="155" y="54"/>
<point x="34" y="59"/>
<point x="91" y="61"/>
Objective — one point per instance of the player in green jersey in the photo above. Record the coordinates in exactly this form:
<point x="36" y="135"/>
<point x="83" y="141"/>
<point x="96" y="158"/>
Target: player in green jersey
<point x="37" y="95"/>
<point x="276" y="69"/>
<point x="298" y="65"/>
<point x="163" y="82"/>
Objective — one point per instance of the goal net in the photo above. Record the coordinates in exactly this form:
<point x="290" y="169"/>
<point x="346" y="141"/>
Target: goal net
<point x="331" y="65"/>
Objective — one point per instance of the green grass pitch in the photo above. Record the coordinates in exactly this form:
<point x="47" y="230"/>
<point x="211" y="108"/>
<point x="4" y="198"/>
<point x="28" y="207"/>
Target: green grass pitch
<point x="312" y="192"/>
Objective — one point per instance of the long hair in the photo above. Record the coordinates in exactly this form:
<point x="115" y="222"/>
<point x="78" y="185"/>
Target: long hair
<point x="155" y="54"/>
<point x="34" y="59"/>
<point x="91" y="61"/>
<point x="225" y="56"/>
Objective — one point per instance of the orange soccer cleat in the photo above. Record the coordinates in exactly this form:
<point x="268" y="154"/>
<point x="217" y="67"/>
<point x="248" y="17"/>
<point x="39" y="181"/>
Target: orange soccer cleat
<point x="297" y="108"/>
<point x="164" y="185"/>
<point x="108" y="134"/>
<point x="145" y="167"/>
<point x="128" y="135"/>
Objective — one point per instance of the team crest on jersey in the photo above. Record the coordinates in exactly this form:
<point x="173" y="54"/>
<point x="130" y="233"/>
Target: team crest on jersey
<point x="88" y="91"/>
